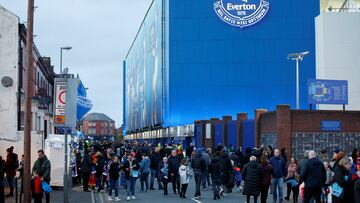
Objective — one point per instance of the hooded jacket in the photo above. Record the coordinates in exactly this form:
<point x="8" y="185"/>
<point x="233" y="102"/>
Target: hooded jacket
<point x="214" y="169"/>
<point x="145" y="165"/>
<point x="198" y="164"/>
<point x="252" y="174"/>
<point x="184" y="172"/>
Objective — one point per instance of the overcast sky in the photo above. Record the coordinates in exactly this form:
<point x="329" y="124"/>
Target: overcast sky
<point x="100" y="33"/>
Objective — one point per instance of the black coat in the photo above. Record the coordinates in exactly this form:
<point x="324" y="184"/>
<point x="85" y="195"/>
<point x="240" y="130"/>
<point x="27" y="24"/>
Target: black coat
<point x="226" y="168"/>
<point x="86" y="164"/>
<point x="198" y="164"/>
<point x="215" y="169"/>
<point x="313" y="173"/>
<point x="126" y="167"/>
<point x="174" y="164"/>
<point x="348" y="186"/>
<point x="252" y="175"/>
<point x="114" y="170"/>
<point x="155" y="160"/>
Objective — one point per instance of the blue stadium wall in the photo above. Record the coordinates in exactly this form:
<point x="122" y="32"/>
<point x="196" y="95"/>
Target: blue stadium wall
<point x="215" y="69"/>
<point x="209" y="68"/>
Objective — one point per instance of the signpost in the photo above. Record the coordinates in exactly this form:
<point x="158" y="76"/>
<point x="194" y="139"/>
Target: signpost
<point x="60" y="102"/>
<point x="328" y="92"/>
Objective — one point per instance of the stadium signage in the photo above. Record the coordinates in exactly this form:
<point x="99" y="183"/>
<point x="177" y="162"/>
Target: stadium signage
<point x="241" y="13"/>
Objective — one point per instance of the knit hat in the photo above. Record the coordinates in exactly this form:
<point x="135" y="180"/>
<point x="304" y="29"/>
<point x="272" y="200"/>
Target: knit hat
<point x="11" y="149"/>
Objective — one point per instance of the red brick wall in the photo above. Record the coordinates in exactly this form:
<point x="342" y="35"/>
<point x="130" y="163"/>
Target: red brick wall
<point x="268" y="122"/>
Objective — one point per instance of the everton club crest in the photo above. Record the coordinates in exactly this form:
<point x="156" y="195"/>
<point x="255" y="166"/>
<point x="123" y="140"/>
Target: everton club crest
<point x="241" y="13"/>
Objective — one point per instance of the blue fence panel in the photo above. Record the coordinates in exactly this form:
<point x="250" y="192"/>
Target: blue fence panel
<point x="248" y="133"/>
<point x="219" y="129"/>
<point x="232" y="136"/>
<point x="198" y="136"/>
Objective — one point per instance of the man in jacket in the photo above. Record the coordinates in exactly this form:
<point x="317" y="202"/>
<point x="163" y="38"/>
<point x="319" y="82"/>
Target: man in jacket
<point x="206" y="176"/>
<point x="173" y="165"/>
<point x="314" y="175"/>
<point x="198" y="165"/>
<point x="86" y="166"/>
<point x="155" y="160"/>
<point x="11" y="164"/>
<point x="43" y="167"/>
<point x="2" y="195"/>
<point x="279" y="172"/>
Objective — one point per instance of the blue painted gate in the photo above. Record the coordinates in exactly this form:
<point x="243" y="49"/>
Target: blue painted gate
<point x="232" y="136"/>
<point x="219" y="129"/>
<point x="248" y="132"/>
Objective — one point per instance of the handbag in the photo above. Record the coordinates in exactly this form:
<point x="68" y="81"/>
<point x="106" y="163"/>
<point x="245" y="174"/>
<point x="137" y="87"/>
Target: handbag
<point x="337" y="190"/>
<point x="135" y="173"/>
<point x="46" y="187"/>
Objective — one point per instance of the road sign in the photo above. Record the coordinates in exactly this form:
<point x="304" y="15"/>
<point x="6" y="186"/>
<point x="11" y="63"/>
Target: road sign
<point x="60" y="102"/>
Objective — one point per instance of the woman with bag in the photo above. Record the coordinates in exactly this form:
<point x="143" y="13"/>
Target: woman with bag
<point x="292" y="180"/>
<point x="113" y="174"/>
<point x="343" y="187"/>
<point x="131" y="168"/>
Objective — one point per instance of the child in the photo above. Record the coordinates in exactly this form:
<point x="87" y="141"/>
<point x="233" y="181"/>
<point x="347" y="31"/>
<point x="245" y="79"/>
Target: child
<point x="164" y="174"/>
<point x="114" y="171"/>
<point x="36" y="188"/>
<point x="184" y="173"/>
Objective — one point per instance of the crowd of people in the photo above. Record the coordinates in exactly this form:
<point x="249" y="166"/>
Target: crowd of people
<point x="255" y="172"/>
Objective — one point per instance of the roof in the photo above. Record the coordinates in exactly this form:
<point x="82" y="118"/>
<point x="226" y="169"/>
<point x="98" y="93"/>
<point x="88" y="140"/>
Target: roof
<point x="97" y="117"/>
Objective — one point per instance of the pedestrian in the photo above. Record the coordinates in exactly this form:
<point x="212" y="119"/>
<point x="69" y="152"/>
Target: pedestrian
<point x="206" y="177"/>
<point x="292" y="180"/>
<point x="145" y="171"/>
<point x="252" y="175"/>
<point x="303" y="161"/>
<point x="215" y="171"/>
<point x="131" y="168"/>
<point x="86" y="166"/>
<point x="279" y="171"/>
<point x="342" y="179"/>
<point x="198" y="165"/>
<point x="37" y="192"/>
<point x="164" y="177"/>
<point x="114" y="175"/>
<point x="185" y="174"/>
<point x="227" y="181"/>
<point x="155" y="159"/>
<point x="266" y="178"/>
<point x="11" y="164"/>
<point x="325" y="189"/>
<point x="99" y="165"/>
<point x="43" y="167"/>
<point x="2" y="168"/>
<point x="173" y="165"/>
<point x="189" y="150"/>
<point x="313" y="174"/>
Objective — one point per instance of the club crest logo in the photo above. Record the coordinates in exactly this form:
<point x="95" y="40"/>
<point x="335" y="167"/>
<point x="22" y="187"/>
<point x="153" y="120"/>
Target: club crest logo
<point x="241" y="13"/>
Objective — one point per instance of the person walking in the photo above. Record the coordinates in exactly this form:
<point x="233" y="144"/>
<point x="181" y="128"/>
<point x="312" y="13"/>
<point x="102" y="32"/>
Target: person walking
<point x="266" y="178"/>
<point x="206" y="177"/>
<point x="313" y="174"/>
<point x="99" y="165"/>
<point x="173" y="167"/>
<point x="292" y="180"/>
<point x="279" y="171"/>
<point x="198" y="165"/>
<point x="42" y="167"/>
<point x="86" y="166"/>
<point x="114" y="171"/>
<point x="343" y="179"/>
<point x="185" y="174"/>
<point x="164" y="177"/>
<point x="131" y="168"/>
<point x="11" y="164"/>
<point x="226" y="171"/>
<point x="145" y="171"/>
<point x="252" y="175"/>
<point x="155" y="159"/>
<point x="215" y="171"/>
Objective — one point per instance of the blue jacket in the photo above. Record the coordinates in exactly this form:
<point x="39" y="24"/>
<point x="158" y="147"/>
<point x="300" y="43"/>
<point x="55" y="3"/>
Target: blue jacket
<point x="279" y="167"/>
<point x="145" y="165"/>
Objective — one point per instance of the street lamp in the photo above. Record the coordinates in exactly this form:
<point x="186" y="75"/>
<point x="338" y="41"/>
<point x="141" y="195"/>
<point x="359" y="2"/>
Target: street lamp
<point x="297" y="57"/>
<point x="61" y="49"/>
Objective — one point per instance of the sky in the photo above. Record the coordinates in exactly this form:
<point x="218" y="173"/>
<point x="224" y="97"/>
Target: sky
<point x="100" y="32"/>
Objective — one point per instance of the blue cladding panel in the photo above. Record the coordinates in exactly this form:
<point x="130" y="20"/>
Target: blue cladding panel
<point x="232" y="136"/>
<point x="198" y="133"/>
<point x="248" y="129"/>
<point x="216" y="69"/>
<point x="219" y="129"/>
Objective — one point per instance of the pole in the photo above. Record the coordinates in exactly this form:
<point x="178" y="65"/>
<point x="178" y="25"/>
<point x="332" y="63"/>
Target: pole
<point x="297" y="83"/>
<point x="61" y="61"/>
<point x="28" y="102"/>
<point x="66" y="175"/>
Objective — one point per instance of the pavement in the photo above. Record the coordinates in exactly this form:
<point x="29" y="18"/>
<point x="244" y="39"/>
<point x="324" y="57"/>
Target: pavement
<point x="152" y="196"/>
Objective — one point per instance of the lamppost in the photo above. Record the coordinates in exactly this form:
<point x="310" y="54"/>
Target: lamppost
<point x="61" y="49"/>
<point x="297" y="57"/>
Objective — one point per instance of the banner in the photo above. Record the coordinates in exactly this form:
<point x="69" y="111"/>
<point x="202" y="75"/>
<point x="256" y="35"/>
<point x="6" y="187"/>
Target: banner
<point x="327" y="91"/>
<point x="84" y="104"/>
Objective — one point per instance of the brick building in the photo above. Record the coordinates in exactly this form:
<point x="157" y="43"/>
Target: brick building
<point x="98" y="124"/>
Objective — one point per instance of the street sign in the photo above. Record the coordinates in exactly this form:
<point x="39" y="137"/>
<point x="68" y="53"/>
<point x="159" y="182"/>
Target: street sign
<point x="328" y="91"/>
<point x="60" y="102"/>
<point x="331" y="125"/>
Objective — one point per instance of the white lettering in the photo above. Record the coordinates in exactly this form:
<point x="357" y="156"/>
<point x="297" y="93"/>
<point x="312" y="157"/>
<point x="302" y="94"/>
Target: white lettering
<point x="240" y="7"/>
